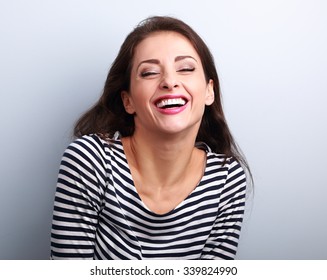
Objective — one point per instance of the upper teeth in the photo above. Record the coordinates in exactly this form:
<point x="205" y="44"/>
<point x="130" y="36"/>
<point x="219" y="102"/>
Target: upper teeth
<point x="173" y="101"/>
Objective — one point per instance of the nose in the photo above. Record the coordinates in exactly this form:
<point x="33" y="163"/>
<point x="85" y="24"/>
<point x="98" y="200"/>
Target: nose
<point x="169" y="82"/>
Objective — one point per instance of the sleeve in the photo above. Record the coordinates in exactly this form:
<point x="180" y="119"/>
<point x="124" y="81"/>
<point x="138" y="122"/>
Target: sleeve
<point x="223" y="240"/>
<point x="78" y="200"/>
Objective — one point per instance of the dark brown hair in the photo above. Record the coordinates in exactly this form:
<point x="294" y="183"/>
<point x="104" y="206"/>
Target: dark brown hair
<point x="108" y="115"/>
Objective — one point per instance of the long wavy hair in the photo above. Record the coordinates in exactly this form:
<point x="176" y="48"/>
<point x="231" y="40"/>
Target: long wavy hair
<point x="108" y="115"/>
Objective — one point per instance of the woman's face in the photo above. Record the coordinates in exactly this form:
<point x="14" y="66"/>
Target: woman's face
<point x="168" y="89"/>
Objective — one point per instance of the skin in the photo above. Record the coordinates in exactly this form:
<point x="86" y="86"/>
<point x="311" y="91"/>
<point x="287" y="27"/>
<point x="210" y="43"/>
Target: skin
<point x="165" y="165"/>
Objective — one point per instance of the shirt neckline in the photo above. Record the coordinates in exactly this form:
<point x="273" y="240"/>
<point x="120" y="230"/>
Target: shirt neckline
<point x="179" y="206"/>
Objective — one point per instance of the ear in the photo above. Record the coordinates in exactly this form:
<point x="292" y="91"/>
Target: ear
<point x="210" y="94"/>
<point x="128" y="102"/>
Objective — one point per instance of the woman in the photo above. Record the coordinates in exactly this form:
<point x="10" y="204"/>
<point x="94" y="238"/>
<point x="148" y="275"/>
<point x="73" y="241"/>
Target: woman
<point x="154" y="172"/>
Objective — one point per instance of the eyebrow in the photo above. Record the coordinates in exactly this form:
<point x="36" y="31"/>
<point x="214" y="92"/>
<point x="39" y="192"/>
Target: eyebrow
<point x="181" y="57"/>
<point x="156" y="61"/>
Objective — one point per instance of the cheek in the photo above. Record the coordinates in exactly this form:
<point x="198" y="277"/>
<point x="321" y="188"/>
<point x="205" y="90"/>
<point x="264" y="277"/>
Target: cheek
<point x="196" y="89"/>
<point x="143" y="91"/>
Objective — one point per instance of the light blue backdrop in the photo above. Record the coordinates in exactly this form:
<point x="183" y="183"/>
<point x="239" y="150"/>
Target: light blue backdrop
<point x="271" y="57"/>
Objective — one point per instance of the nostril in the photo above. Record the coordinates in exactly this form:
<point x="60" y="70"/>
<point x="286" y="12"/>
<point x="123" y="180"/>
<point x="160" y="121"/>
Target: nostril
<point x="169" y="84"/>
<point x="169" y="87"/>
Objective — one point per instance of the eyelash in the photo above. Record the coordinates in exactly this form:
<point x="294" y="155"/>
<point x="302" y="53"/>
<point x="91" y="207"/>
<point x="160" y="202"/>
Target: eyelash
<point x="146" y="74"/>
<point x="149" y="73"/>
<point x="186" y="70"/>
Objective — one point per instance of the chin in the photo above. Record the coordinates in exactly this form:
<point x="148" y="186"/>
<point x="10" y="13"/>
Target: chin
<point x="180" y="130"/>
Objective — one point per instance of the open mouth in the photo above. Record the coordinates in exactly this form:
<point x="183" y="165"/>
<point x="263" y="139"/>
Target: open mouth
<point x="171" y="103"/>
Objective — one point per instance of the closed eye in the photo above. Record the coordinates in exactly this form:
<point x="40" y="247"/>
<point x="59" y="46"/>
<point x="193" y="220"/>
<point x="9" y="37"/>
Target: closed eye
<point x="148" y="73"/>
<point x="186" y="70"/>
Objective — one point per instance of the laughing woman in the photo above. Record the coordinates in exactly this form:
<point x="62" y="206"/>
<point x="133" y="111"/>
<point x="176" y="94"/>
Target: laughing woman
<point x="154" y="172"/>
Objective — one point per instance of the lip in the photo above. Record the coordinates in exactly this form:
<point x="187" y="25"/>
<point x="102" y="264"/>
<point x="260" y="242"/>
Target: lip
<point x="170" y="111"/>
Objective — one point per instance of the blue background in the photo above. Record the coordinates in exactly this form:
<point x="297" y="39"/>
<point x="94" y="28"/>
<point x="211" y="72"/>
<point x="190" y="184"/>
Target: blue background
<point x="272" y="62"/>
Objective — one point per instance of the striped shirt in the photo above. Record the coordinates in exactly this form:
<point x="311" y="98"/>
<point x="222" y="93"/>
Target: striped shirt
<point x="98" y="213"/>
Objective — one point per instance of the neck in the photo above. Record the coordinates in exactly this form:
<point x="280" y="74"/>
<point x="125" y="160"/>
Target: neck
<point x="161" y="160"/>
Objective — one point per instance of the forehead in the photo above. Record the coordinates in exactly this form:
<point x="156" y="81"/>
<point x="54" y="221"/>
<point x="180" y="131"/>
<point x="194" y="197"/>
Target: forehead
<point x="164" y="44"/>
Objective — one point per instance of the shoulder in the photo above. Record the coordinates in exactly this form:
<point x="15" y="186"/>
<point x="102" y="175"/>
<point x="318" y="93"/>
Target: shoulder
<point x="94" y="141"/>
<point x="87" y="143"/>
<point x="90" y="148"/>
<point x="229" y="167"/>
<point x="231" y="177"/>
<point x="220" y="161"/>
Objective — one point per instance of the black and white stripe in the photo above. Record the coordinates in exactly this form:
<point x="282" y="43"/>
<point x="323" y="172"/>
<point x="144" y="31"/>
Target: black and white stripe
<point x="99" y="215"/>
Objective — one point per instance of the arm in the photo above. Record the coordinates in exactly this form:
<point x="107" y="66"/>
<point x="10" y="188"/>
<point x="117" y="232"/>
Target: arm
<point x="78" y="199"/>
<point x="223" y="240"/>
